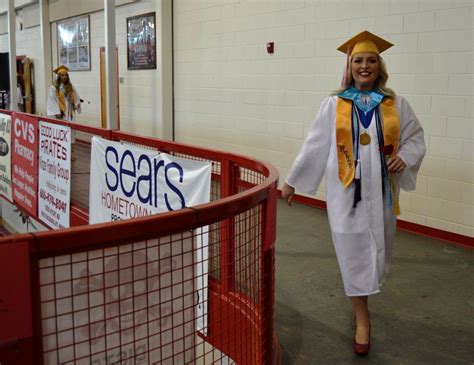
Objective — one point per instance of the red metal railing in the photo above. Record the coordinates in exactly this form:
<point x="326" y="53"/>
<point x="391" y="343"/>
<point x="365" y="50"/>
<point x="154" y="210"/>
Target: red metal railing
<point x="126" y="292"/>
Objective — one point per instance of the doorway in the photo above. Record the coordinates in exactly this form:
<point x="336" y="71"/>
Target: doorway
<point x="25" y="83"/>
<point x="103" y="93"/>
<point x="25" y="77"/>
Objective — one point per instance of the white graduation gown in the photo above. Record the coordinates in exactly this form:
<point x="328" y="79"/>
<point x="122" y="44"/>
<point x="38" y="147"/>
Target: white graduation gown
<point x="362" y="236"/>
<point x="52" y="106"/>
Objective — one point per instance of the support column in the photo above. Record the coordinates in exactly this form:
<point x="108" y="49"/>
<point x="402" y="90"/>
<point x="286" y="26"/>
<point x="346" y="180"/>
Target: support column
<point x="12" y="54"/>
<point x="110" y="64"/>
<point x="166" y="54"/>
<point x="46" y="54"/>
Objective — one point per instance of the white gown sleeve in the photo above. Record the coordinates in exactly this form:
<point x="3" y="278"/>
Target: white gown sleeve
<point x="52" y="107"/>
<point x="77" y="101"/>
<point x="308" y="169"/>
<point x="412" y="147"/>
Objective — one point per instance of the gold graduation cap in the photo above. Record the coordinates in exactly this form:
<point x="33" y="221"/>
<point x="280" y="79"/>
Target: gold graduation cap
<point x="364" y="42"/>
<point x="60" y="68"/>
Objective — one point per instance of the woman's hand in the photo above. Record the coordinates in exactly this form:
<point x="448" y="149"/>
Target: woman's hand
<point x="395" y="164"/>
<point x="287" y="193"/>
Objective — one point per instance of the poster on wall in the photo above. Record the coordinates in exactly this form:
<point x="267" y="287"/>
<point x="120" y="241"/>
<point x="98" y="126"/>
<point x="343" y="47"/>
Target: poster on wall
<point x="130" y="182"/>
<point x="5" y="157"/>
<point x="74" y="43"/>
<point x="54" y="177"/>
<point x="25" y="162"/>
<point x="141" y="42"/>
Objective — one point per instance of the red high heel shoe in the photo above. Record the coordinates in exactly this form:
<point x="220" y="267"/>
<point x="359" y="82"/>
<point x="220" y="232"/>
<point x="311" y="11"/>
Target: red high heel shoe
<point x="362" y="349"/>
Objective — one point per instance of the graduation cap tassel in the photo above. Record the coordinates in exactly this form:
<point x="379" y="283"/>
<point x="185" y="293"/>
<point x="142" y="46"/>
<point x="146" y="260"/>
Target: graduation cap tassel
<point x="357" y="192"/>
<point x="357" y="185"/>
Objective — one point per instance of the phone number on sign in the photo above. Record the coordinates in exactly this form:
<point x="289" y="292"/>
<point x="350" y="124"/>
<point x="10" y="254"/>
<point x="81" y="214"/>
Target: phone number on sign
<point x="55" y="202"/>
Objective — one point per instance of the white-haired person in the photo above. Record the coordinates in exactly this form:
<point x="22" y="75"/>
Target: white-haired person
<point x="368" y="143"/>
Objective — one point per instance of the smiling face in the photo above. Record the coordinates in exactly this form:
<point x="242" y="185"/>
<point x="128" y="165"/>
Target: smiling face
<point x="365" y="70"/>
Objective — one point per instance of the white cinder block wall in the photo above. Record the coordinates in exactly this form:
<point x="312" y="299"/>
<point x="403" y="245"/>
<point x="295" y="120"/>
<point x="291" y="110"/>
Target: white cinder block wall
<point x="231" y="95"/>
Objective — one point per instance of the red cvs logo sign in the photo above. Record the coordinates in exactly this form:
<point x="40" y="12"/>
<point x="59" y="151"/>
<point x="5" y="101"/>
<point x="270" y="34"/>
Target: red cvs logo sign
<point x="25" y="162"/>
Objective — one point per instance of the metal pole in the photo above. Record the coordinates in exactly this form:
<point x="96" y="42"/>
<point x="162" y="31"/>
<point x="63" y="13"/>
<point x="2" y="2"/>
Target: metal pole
<point x="167" y="83"/>
<point x="12" y="54"/>
<point x="110" y="64"/>
<point x="45" y="29"/>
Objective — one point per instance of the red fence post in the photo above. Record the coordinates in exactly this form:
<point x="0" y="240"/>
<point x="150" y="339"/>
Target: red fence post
<point x="268" y="275"/>
<point x="227" y="256"/>
<point x="20" y="337"/>
<point x="36" y="304"/>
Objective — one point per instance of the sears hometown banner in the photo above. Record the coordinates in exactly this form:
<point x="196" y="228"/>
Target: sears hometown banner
<point x="130" y="182"/>
<point x="5" y="157"/>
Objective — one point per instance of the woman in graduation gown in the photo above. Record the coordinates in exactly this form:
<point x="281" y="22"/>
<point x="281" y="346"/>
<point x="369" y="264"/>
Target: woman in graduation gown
<point x="63" y="100"/>
<point x="369" y="144"/>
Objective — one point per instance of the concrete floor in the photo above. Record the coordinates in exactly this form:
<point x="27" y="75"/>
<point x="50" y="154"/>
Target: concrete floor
<point x="423" y="315"/>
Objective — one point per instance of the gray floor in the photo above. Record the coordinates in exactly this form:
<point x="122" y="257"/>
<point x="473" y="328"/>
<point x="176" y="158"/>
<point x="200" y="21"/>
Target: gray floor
<point x="423" y="315"/>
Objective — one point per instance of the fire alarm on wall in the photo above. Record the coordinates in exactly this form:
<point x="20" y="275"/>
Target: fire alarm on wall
<point x="270" y="47"/>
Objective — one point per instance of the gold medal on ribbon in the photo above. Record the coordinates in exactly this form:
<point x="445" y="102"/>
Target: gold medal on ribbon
<point x="364" y="139"/>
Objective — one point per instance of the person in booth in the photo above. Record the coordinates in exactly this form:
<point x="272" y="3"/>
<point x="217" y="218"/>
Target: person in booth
<point x="369" y="144"/>
<point x="63" y="100"/>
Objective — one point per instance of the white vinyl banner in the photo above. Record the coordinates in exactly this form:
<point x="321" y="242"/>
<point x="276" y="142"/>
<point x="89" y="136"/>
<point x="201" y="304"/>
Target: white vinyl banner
<point x="6" y="157"/>
<point x="100" y="313"/>
<point x="54" y="176"/>
<point x="130" y="182"/>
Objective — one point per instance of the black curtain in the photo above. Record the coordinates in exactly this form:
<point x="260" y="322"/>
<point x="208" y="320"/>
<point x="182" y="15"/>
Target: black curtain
<point x="4" y="72"/>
